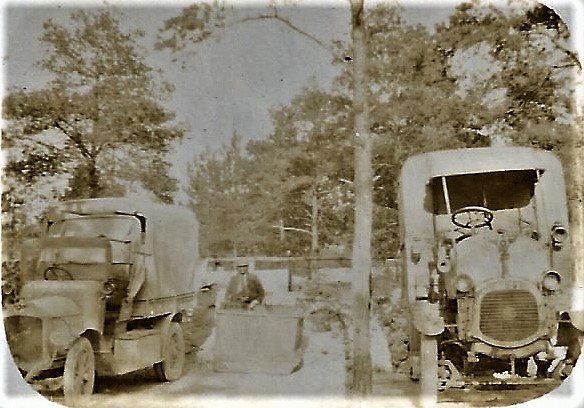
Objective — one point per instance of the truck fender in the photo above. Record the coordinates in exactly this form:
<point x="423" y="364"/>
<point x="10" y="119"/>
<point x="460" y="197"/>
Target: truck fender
<point x="427" y="319"/>
<point x="577" y="319"/>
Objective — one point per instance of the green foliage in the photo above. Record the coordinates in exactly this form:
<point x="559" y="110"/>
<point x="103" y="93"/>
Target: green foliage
<point x="99" y="118"/>
<point x="219" y="190"/>
<point x="310" y="192"/>
<point x="280" y="181"/>
<point x="529" y="48"/>
<point x="194" y="24"/>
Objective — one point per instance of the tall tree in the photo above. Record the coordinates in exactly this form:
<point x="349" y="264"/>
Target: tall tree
<point x="99" y="118"/>
<point x="294" y="194"/>
<point x="363" y="180"/>
<point x="306" y="190"/>
<point x="529" y="67"/>
<point x="232" y="221"/>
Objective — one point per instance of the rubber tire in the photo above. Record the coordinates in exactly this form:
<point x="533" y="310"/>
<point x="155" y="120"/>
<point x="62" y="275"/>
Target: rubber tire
<point x="172" y="365"/>
<point x="521" y="367"/>
<point x="79" y="372"/>
<point x="428" y="371"/>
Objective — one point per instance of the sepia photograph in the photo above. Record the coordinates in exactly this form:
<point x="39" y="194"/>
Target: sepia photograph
<point x="316" y="203"/>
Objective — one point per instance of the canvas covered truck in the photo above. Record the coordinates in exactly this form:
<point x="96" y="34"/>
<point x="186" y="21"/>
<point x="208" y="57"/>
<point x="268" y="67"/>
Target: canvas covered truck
<point x="105" y="291"/>
<point x="487" y="266"/>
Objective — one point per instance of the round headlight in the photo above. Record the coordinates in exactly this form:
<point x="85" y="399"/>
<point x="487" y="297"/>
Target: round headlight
<point x="551" y="281"/>
<point x="559" y="236"/>
<point x="463" y="283"/>
<point x="109" y="287"/>
<point x="559" y="233"/>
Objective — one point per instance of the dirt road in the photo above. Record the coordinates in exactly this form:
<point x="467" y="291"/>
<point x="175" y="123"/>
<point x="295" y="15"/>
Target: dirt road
<point x="321" y="375"/>
<point x="319" y="382"/>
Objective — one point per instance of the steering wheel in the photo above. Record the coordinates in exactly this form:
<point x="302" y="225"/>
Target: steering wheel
<point x="477" y="217"/>
<point x="57" y="273"/>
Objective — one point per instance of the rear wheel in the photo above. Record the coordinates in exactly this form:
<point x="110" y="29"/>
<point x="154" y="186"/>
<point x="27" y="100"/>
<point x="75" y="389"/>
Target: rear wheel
<point x="79" y="372"/>
<point x="428" y="371"/>
<point x="171" y="367"/>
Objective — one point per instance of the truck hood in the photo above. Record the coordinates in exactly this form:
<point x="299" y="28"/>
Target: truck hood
<point x="48" y="306"/>
<point x="492" y="255"/>
<point x="80" y="302"/>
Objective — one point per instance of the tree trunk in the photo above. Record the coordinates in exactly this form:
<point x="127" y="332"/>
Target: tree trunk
<point x="362" y="375"/>
<point x="314" y="223"/>
<point x="282" y="233"/>
<point x="94" y="178"/>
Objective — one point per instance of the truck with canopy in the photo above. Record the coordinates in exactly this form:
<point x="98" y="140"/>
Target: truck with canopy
<point x="487" y="266"/>
<point x="106" y="289"/>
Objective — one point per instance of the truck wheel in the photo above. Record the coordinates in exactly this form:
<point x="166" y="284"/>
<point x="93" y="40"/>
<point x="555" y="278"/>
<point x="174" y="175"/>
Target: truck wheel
<point x="428" y="371"/>
<point x="521" y="367"/>
<point x="171" y="367"/>
<point x="79" y="372"/>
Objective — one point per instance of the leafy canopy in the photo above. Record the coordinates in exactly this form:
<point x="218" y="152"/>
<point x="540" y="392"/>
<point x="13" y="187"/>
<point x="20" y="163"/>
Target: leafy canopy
<point x="99" y="119"/>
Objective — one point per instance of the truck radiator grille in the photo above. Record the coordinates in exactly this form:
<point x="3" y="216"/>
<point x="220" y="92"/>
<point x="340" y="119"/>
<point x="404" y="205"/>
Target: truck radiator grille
<point x="509" y="315"/>
<point x="25" y="339"/>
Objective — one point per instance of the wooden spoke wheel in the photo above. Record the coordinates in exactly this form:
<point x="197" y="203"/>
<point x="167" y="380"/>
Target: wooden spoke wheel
<point x="172" y="365"/>
<point x="79" y="372"/>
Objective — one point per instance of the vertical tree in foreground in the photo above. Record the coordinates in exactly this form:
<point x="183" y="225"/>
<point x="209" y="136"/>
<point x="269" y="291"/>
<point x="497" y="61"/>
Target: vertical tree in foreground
<point x="363" y="184"/>
<point x="196" y="23"/>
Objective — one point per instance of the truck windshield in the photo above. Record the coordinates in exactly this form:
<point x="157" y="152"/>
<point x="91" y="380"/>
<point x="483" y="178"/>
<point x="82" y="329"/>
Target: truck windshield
<point x="497" y="190"/>
<point x="66" y="255"/>
<point x="119" y="227"/>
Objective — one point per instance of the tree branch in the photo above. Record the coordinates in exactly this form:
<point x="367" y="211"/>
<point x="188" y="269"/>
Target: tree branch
<point x="292" y="229"/>
<point x="569" y="53"/>
<point x="287" y="22"/>
<point x="76" y="139"/>
<point x="41" y="143"/>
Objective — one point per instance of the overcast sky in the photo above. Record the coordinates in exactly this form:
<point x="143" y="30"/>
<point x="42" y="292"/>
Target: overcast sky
<point x="233" y="80"/>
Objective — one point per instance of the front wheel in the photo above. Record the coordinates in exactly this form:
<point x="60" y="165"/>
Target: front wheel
<point x="79" y="372"/>
<point x="172" y="365"/>
<point x="428" y="370"/>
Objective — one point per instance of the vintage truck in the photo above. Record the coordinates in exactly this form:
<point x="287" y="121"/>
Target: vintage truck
<point x="487" y="266"/>
<point x="105" y="291"/>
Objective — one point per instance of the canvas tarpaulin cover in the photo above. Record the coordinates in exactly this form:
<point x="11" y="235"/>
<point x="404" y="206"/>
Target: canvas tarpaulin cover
<point x="171" y="241"/>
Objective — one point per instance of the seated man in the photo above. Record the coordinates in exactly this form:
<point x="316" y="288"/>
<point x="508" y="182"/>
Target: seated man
<point x="244" y="289"/>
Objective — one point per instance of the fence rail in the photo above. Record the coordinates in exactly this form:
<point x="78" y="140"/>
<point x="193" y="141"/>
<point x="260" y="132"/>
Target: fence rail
<point x="297" y="265"/>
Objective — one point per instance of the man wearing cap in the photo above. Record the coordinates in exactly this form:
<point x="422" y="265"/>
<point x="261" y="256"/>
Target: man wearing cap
<point x="244" y="288"/>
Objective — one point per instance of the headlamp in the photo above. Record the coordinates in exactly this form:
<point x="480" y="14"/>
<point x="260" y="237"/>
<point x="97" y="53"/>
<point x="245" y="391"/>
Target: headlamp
<point x="559" y="236"/>
<point x="551" y="281"/>
<point x="109" y="287"/>
<point x="464" y="283"/>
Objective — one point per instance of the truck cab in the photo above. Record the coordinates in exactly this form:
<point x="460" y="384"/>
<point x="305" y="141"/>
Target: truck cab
<point x="487" y="262"/>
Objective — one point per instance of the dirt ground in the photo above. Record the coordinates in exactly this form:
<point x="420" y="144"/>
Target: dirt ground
<point x="322" y="379"/>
